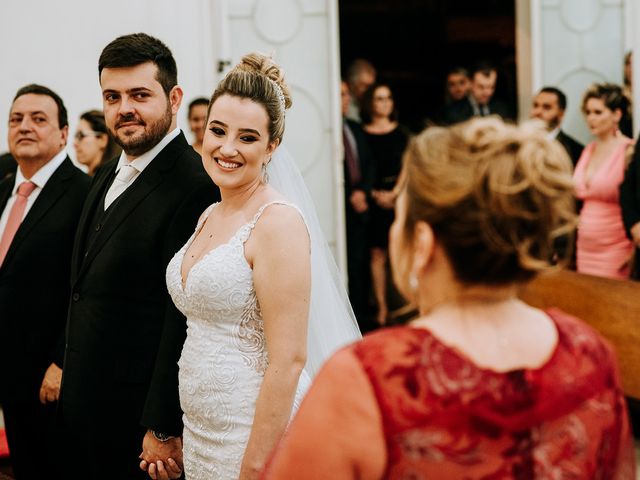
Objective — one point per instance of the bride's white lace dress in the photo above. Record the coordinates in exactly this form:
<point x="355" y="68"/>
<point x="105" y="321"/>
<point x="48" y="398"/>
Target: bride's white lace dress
<point x="224" y="356"/>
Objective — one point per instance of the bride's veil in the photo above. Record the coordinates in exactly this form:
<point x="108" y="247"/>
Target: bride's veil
<point x="332" y="323"/>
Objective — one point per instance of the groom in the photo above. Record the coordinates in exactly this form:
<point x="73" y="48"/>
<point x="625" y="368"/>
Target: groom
<point x="124" y="335"/>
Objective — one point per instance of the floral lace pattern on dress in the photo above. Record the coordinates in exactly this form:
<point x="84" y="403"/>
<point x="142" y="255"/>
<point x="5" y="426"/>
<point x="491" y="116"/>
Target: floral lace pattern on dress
<point x="224" y="356"/>
<point x="444" y="417"/>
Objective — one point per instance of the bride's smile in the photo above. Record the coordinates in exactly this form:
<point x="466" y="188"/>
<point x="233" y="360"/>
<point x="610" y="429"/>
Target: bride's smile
<point x="236" y="141"/>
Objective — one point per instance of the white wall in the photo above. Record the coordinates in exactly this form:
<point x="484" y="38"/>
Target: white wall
<point x="575" y="43"/>
<point x="57" y="44"/>
<point x="303" y="38"/>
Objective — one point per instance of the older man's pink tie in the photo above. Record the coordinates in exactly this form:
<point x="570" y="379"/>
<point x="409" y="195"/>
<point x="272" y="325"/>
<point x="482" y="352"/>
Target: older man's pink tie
<point x="15" y="217"/>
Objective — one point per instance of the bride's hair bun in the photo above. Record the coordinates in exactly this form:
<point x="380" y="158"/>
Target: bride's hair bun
<point x="260" y="79"/>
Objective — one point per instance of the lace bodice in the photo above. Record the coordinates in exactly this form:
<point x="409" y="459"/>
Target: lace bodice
<point x="224" y="356"/>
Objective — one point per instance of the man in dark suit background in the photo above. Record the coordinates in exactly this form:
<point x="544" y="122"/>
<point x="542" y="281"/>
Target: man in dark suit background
<point x="124" y="335"/>
<point x="549" y="106"/>
<point x="358" y="181"/>
<point x="40" y="205"/>
<point x="479" y="102"/>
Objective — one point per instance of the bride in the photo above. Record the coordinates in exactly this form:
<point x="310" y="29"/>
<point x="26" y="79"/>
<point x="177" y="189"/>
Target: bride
<point x="263" y="300"/>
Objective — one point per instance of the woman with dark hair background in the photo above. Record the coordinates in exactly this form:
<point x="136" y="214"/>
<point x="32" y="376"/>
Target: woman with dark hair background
<point x="92" y="142"/>
<point x="387" y="140"/>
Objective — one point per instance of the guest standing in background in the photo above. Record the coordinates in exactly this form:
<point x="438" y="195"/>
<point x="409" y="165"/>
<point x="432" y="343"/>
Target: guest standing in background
<point x="39" y="209"/>
<point x="630" y="204"/>
<point x="603" y="248"/>
<point x="92" y="142"/>
<point x="480" y="101"/>
<point x="480" y="385"/>
<point x="458" y="84"/>
<point x="197" y="119"/>
<point x="358" y="181"/>
<point x="549" y="105"/>
<point x="387" y="141"/>
<point x="361" y="74"/>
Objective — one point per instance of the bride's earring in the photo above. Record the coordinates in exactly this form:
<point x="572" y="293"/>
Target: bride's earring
<point x="265" y="175"/>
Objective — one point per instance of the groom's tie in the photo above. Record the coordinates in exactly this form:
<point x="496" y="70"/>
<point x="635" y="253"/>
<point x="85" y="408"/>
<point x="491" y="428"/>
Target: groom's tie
<point x="120" y="184"/>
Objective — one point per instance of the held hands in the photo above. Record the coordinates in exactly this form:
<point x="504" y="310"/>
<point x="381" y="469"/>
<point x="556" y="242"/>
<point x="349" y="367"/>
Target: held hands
<point x="384" y="198"/>
<point x="358" y="201"/>
<point x="161" y="460"/>
<point x="50" y="388"/>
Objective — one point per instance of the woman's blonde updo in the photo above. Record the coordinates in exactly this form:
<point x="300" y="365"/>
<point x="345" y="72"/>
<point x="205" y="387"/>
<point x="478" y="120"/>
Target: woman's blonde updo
<point x="496" y="196"/>
<point x="260" y="79"/>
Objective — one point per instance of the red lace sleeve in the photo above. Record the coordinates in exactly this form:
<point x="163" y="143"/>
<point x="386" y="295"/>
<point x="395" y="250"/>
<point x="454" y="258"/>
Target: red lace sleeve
<point x="337" y="419"/>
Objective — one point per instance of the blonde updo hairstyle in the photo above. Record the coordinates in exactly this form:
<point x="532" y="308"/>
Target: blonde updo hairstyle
<point x="497" y="196"/>
<point x="257" y="77"/>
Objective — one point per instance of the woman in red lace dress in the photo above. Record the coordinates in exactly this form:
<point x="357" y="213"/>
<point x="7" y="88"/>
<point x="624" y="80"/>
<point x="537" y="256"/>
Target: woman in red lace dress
<point x="480" y="385"/>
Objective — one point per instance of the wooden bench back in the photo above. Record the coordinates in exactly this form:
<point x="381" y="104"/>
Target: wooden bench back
<point x="610" y="306"/>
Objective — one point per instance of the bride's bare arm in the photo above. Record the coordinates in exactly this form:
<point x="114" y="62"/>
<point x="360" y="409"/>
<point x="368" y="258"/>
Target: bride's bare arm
<point x="279" y="250"/>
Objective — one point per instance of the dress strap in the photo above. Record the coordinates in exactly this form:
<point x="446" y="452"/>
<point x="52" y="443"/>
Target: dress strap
<point x="205" y="215"/>
<point x="244" y="236"/>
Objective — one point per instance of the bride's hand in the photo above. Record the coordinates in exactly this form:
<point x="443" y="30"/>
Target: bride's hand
<point x="161" y="460"/>
<point x="162" y="471"/>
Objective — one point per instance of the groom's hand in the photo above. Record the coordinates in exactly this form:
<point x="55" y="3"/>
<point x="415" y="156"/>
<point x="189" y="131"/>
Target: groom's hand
<point x="162" y="460"/>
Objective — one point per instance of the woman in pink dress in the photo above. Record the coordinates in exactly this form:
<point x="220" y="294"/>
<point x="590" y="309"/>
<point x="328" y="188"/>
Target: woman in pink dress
<point x="603" y="248"/>
<point x="480" y="385"/>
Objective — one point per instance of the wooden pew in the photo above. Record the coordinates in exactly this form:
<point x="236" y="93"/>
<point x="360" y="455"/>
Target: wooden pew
<point x="611" y="306"/>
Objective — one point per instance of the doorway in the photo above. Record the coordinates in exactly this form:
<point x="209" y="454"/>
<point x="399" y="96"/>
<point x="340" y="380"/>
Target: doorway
<point x="413" y="43"/>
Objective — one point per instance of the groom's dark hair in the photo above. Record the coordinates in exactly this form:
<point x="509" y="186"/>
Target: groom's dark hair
<point x="136" y="49"/>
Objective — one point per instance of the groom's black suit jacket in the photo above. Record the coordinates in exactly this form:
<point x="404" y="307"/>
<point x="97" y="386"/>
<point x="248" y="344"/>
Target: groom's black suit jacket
<point x="34" y="283"/>
<point x="124" y="335"/>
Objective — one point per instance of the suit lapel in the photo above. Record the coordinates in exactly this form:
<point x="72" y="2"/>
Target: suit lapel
<point x="52" y="191"/>
<point x="143" y="186"/>
<point x="149" y="180"/>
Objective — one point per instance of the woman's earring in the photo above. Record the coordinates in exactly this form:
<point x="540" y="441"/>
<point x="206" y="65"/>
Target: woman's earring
<point x="265" y="175"/>
<point x="413" y="282"/>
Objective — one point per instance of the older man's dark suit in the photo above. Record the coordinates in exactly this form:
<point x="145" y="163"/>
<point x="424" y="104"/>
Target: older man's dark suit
<point x="124" y="335"/>
<point x="34" y="297"/>
<point x="8" y="165"/>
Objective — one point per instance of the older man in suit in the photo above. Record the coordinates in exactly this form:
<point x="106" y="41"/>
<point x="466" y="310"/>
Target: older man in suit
<point x="40" y="205"/>
<point x="124" y="335"/>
